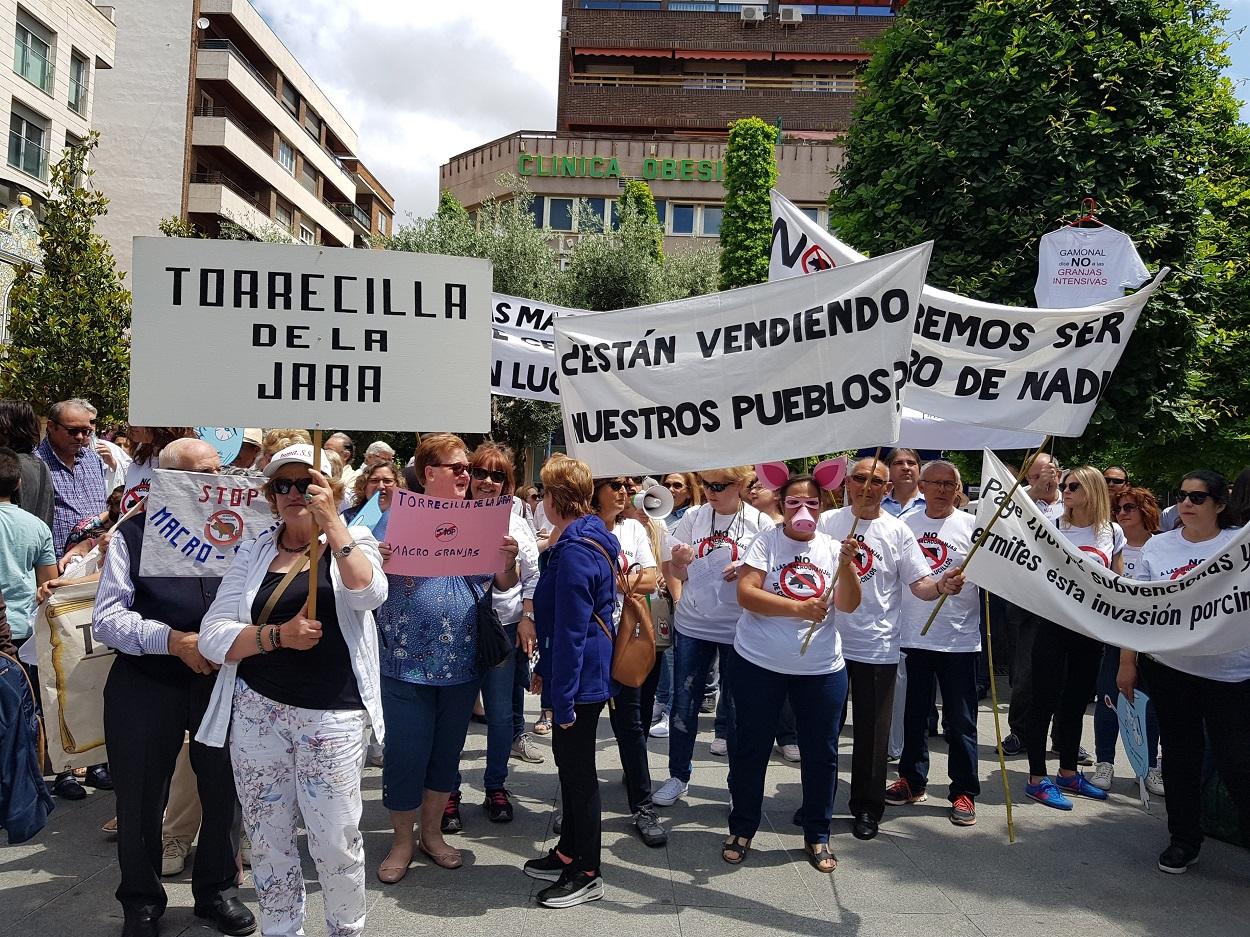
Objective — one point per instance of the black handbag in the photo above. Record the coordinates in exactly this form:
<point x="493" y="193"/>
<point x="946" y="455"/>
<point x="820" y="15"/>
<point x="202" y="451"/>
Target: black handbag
<point x="493" y="644"/>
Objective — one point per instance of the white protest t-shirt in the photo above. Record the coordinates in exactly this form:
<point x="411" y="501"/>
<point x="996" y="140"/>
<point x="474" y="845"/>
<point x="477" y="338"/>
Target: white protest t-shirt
<point x="888" y="562"/>
<point x="1102" y="545"/>
<point x="945" y="542"/>
<point x="1170" y="556"/>
<point x="138" y="481"/>
<point x="799" y="570"/>
<point x="508" y="603"/>
<point x="1132" y="561"/>
<point x="1083" y="266"/>
<point x="709" y="608"/>
<point x="635" y="550"/>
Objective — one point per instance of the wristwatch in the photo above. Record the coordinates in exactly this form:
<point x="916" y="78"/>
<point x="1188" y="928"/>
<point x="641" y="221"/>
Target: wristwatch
<point x="341" y="552"/>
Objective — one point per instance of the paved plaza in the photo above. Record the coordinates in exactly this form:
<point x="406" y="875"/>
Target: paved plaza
<point x="1088" y="873"/>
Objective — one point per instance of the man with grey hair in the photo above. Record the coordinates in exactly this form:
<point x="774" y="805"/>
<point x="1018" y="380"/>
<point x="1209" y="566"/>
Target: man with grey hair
<point x="79" y="475"/>
<point x="345" y="448"/>
<point x="379" y="452"/>
<point x="158" y="690"/>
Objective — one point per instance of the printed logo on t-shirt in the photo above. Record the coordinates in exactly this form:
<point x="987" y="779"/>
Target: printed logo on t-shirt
<point x="801" y="580"/>
<point x="1182" y="570"/>
<point x="135" y="495"/>
<point x="935" y="550"/>
<point x="718" y="542"/>
<point x="1097" y="554"/>
<point x="865" y="560"/>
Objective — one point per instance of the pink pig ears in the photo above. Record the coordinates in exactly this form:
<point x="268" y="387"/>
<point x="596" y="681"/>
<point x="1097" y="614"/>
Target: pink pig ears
<point x="830" y="473"/>
<point x="772" y="474"/>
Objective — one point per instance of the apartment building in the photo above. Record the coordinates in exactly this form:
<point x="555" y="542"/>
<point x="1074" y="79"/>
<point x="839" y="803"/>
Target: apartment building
<point x="208" y="117"/>
<point x="647" y="88"/>
<point x="60" y="48"/>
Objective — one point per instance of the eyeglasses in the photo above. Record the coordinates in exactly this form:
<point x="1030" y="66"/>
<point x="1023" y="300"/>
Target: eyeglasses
<point x="1195" y="497"/>
<point x="794" y="503"/>
<point x="1125" y="508"/>
<point x="457" y="468"/>
<point x="73" y="430"/>
<point x="716" y="486"/>
<point x="283" y="486"/>
<point x="481" y="474"/>
<point x="943" y="485"/>
<point x="675" y="486"/>
<point x="615" y="484"/>
<point x="861" y="479"/>
<point x="1070" y="486"/>
<point x="1115" y="481"/>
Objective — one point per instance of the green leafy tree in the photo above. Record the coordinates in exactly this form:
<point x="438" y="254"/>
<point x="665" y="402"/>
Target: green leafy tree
<point x="746" y="229"/>
<point x="637" y="195"/>
<point x="982" y="122"/>
<point x="615" y="269"/>
<point x="68" y="323"/>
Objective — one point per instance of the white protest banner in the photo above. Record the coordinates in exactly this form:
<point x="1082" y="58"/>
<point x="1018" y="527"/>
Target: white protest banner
<point x="523" y="360"/>
<point x="195" y="522"/>
<point x="1038" y="370"/>
<point x="774" y="371"/>
<point x="1028" y="561"/>
<point x="228" y="333"/>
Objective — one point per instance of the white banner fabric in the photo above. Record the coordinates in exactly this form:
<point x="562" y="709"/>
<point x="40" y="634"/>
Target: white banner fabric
<point x="1037" y="370"/>
<point x="1029" y="562"/>
<point x="230" y="333"/>
<point x="774" y="371"/>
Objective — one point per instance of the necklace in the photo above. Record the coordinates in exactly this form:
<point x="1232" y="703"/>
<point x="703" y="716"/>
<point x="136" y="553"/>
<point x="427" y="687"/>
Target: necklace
<point x="286" y="549"/>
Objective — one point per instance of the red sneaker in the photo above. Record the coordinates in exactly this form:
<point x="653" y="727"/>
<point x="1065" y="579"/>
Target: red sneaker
<point x="963" y="811"/>
<point x="900" y="793"/>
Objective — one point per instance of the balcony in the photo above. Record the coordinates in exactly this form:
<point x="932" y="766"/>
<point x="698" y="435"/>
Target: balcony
<point x="353" y="212"/>
<point x="32" y="65"/>
<point x="28" y="156"/>
<point x="215" y="194"/>
<point x="796" y="84"/>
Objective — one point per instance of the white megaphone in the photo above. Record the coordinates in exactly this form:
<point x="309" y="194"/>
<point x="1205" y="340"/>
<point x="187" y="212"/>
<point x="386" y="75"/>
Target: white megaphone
<point x="656" y="502"/>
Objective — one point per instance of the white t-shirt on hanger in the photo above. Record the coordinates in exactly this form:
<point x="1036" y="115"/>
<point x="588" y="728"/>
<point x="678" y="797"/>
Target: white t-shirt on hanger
<point x="1083" y="266"/>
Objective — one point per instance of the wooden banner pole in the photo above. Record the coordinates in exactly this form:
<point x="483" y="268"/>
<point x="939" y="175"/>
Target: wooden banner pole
<point x="998" y="728"/>
<point x="314" y="545"/>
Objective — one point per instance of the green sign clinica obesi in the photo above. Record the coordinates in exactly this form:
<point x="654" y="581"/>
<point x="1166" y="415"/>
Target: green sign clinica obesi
<point x="608" y="167"/>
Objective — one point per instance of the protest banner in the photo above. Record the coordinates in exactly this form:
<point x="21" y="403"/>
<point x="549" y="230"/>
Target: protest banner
<point x="523" y="348"/>
<point x="246" y="334"/>
<point x="767" y="372"/>
<point x="438" y="537"/>
<point x="1029" y="562"/>
<point x="195" y="522"/>
<point x="1038" y="370"/>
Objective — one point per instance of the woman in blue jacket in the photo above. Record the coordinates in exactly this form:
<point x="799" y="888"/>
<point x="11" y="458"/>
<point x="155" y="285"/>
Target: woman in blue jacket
<point x="574" y="601"/>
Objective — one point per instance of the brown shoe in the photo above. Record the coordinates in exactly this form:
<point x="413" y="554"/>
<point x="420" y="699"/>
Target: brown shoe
<point x="391" y="870"/>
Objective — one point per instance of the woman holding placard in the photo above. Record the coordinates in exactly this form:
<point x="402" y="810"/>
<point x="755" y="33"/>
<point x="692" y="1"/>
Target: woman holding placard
<point x="381" y="479"/>
<point x="293" y="697"/>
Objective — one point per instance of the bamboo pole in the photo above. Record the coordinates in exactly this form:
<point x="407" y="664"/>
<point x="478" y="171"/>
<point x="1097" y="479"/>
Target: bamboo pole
<point x="314" y="544"/>
<point x="998" y="728"/>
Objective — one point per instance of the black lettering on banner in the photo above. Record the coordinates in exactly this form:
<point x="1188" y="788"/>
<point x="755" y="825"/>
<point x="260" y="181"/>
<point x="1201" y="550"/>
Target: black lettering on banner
<point x="812" y="401"/>
<point x="176" y="287"/>
<point x="246" y="288"/>
<point x="925" y="369"/>
<point x="949" y="327"/>
<point x="212" y="287"/>
<point x="457" y="301"/>
<point x="1080" y="334"/>
<point x="293" y="335"/>
<point x="781" y="230"/>
<point x="1061" y="384"/>
<point x="280" y="286"/>
<point x="375" y="340"/>
<point x="981" y="382"/>
<point x="338" y="293"/>
<point x="264" y="335"/>
<point x="658" y="422"/>
<point x="620" y="355"/>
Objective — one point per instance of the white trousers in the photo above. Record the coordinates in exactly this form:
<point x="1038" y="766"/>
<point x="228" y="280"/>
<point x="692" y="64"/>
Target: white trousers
<point x="291" y="763"/>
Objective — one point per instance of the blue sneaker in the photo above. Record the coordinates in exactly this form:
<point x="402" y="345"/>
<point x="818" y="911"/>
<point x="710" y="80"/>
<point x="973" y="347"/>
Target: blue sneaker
<point x="1078" y="785"/>
<point x="1045" y="792"/>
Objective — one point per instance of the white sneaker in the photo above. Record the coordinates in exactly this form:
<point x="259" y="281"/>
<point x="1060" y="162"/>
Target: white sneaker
<point x="719" y="747"/>
<point x="525" y="748"/>
<point x="1104" y="774"/>
<point x="1154" y="781"/>
<point x="789" y="752"/>
<point x="669" y="791"/>
<point x="660" y="729"/>
<point x="173" y="857"/>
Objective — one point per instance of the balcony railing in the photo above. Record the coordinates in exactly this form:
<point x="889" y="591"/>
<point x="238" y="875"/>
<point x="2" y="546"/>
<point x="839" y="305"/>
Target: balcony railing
<point x="352" y="212"/>
<point x="220" y="178"/>
<point x="801" y="84"/>
<point x="77" y="96"/>
<point x="32" y="65"/>
<point x="232" y="117"/>
<point x="28" y="156"/>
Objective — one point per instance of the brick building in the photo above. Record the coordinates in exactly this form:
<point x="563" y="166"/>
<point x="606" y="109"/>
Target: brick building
<point x="647" y="88"/>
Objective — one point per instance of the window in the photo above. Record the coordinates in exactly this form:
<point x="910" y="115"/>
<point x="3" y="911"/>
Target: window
<point x="712" y="215"/>
<point x="312" y="123"/>
<point x="308" y="177"/>
<point x="683" y="219"/>
<point x="595" y="207"/>
<point x="290" y="98"/>
<point x="661" y="210"/>
<point x="813" y="213"/>
<point x="382" y="222"/>
<point x="79" y="69"/>
<point x="286" y="156"/>
<point x="283" y="215"/>
<point x="307" y="235"/>
<point x="561" y="214"/>
<point x="538" y="205"/>
<point x="28" y="143"/>
<point x="32" y="52"/>
<point x="620" y="4"/>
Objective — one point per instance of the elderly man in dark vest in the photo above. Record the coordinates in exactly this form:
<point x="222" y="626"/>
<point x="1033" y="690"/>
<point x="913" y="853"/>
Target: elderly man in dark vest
<point x="157" y="690"/>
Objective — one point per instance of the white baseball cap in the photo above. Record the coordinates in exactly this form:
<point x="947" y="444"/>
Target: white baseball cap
<point x="299" y="454"/>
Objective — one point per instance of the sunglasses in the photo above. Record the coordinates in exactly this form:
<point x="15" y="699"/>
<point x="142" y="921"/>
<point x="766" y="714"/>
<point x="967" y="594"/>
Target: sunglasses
<point x="1125" y="508"/>
<point x="615" y="484"/>
<point x="457" y="468"/>
<point x="675" y="486"/>
<point x="74" y="430"/>
<point x="794" y="503"/>
<point x="1070" y="486"/>
<point x="1115" y="481"/>
<point x="861" y="479"/>
<point x="1195" y="497"/>
<point x="716" y="486"/>
<point x="283" y="486"/>
<point x="481" y="474"/>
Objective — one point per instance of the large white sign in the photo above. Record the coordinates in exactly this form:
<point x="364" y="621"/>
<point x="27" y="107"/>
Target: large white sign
<point x="231" y="333"/>
<point x="775" y="371"/>
<point x="523" y="360"/>
<point x="1026" y="560"/>
<point x="1038" y="370"/>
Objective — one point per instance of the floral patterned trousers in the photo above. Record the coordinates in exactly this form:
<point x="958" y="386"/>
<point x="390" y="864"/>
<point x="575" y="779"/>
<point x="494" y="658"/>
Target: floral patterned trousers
<point x="292" y="763"/>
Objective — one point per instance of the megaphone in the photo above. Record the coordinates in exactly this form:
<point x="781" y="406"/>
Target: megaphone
<point x="656" y="502"/>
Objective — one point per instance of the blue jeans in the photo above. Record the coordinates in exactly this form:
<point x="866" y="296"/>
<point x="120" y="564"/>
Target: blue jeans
<point x="956" y="675"/>
<point x="503" y="698"/>
<point x="1107" y="722"/>
<point x="818" y="701"/>
<point x="664" y="691"/>
<point x="692" y="659"/>
<point x="425" y="730"/>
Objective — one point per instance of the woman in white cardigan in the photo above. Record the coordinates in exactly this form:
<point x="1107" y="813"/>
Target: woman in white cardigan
<point x="293" y="693"/>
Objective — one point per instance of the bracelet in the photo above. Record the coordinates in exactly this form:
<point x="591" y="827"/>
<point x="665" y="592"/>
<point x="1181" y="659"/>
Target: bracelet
<point x="259" y="645"/>
<point x="275" y="636"/>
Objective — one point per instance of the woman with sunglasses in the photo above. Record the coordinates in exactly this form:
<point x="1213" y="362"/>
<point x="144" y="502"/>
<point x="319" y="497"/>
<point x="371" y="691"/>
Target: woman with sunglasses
<point x="786" y="584"/>
<point x="1137" y="513"/>
<point x="765" y="499"/>
<point x="710" y="542"/>
<point x="504" y="686"/>
<point x="430" y="677"/>
<point x="381" y="479"/>
<point x="293" y="692"/>
<point x="685" y="492"/>
<point x="1065" y="663"/>
<point x="1202" y="701"/>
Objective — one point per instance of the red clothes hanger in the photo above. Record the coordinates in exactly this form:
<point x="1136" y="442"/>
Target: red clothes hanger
<point x="1088" y="208"/>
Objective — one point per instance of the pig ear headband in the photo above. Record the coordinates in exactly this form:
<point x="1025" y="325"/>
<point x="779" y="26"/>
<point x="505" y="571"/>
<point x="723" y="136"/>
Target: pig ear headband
<point x="829" y="474"/>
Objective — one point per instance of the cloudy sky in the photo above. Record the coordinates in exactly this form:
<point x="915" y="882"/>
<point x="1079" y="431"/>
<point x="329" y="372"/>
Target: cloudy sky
<point x="423" y="80"/>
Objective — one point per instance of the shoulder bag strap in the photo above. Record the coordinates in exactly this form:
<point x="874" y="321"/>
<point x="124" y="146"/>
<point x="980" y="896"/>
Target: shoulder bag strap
<point x="281" y="588"/>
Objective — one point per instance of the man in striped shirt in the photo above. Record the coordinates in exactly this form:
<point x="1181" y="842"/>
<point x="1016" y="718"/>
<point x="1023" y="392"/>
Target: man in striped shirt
<point x="79" y="475"/>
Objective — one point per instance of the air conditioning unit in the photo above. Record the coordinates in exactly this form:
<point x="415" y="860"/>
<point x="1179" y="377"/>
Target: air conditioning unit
<point x="752" y="14"/>
<point x="790" y="15"/>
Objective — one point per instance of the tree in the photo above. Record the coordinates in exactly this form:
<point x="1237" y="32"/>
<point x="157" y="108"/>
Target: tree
<point x="747" y="226"/>
<point x="638" y="197"/>
<point x="68" y="325"/>
<point x="980" y="123"/>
